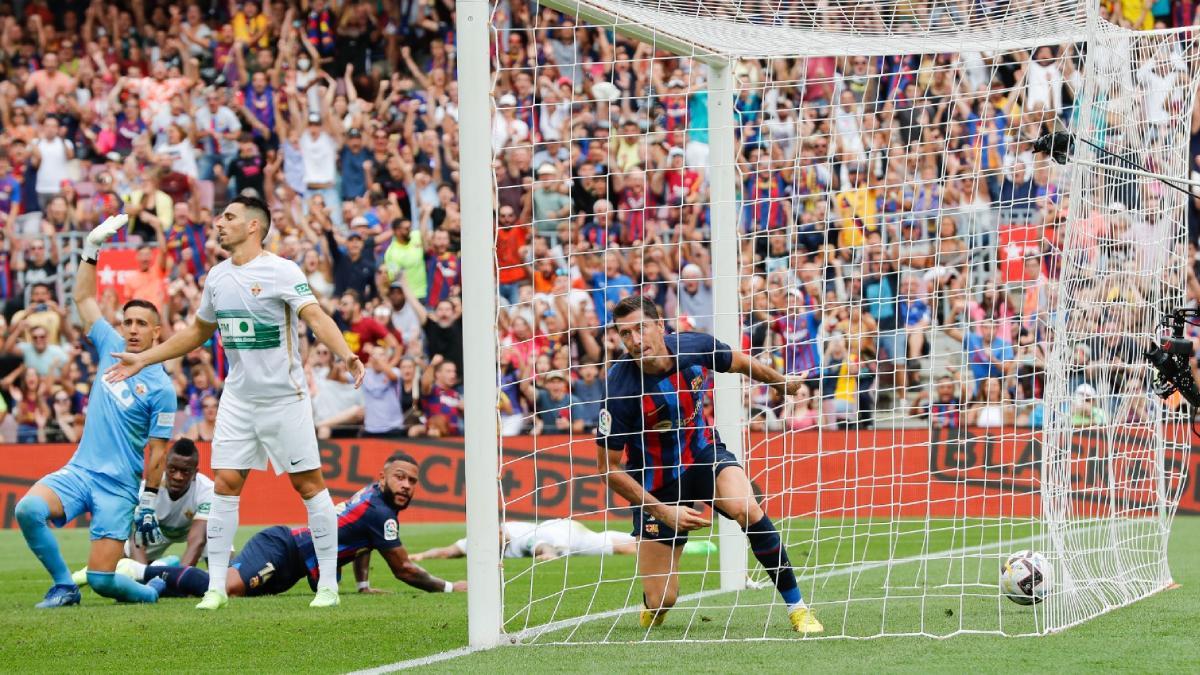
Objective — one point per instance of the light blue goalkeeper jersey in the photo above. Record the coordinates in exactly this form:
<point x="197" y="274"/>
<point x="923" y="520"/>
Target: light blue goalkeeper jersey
<point x="122" y="416"/>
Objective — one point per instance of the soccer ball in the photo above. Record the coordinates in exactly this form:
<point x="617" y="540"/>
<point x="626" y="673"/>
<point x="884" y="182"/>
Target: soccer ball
<point x="1023" y="578"/>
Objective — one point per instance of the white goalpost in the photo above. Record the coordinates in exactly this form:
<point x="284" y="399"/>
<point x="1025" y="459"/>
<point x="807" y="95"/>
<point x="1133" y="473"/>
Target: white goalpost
<point x="847" y="192"/>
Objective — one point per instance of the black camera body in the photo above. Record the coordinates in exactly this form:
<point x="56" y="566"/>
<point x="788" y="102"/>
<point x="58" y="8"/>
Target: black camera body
<point x="1171" y="357"/>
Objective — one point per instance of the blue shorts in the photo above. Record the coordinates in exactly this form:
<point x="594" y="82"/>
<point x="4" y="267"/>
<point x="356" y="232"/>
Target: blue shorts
<point x="83" y="491"/>
<point x="270" y="563"/>
<point x="697" y="483"/>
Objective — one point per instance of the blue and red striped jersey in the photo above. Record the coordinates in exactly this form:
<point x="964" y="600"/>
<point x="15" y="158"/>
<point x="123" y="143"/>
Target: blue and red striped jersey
<point x="365" y="522"/>
<point x="658" y="420"/>
<point x="799" y="333"/>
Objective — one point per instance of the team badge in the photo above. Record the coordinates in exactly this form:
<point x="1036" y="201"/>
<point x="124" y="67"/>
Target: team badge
<point x="605" y="424"/>
<point x="255" y="289"/>
<point x="139" y="389"/>
<point x="652" y="529"/>
<point x="389" y="530"/>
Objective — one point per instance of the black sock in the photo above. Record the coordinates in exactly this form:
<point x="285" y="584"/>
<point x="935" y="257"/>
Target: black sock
<point x="769" y="551"/>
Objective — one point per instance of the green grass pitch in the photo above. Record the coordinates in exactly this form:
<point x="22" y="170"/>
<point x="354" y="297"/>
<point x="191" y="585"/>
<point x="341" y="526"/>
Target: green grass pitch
<point x="280" y="634"/>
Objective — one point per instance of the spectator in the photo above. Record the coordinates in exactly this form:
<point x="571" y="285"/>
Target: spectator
<point x="362" y="332"/>
<point x="353" y="266"/>
<point x="383" y="412"/>
<point x="202" y="429"/>
<point x="51" y="154"/>
<point x="444" y="332"/>
<point x="38" y="354"/>
<point x="440" y="399"/>
<point x="991" y="408"/>
<point x="405" y="258"/>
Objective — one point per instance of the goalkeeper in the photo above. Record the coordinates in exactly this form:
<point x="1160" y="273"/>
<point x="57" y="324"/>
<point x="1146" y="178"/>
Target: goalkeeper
<point x="673" y="458"/>
<point x="102" y="477"/>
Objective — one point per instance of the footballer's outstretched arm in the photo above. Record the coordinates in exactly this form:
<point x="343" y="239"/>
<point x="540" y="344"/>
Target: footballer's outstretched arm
<point x="414" y="575"/>
<point x="439" y="553"/>
<point x="759" y="372"/>
<point x="197" y="333"/>
<point x="197" y="540"/>
<point x="327" y="332"/>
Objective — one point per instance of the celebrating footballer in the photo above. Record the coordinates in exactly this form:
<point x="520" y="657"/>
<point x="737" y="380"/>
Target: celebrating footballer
<point x="653" y="418"/>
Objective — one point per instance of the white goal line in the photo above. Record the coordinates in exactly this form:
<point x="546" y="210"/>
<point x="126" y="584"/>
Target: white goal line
<point x="537" y="631"/>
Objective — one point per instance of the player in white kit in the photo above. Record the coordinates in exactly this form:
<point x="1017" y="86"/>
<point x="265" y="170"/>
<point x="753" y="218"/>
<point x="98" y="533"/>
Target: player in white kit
<point x="182" y="510"/>
<point x="545" y="541"/>
<point x="255" y="299"/>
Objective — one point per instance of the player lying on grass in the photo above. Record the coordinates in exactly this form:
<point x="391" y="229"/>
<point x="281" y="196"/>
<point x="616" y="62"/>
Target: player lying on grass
<point x="256" y="299"/>
<point x="102" y="476"/>
<point x="545" y="541"/>
<point x="182" y="510"/>
<point x="278" y="557"/>
<point x="654" y="417"/>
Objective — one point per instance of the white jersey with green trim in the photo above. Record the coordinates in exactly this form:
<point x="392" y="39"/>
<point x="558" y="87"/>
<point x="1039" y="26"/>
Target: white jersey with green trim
<point x="175" y="516"/>
<point x="256" y="307"/>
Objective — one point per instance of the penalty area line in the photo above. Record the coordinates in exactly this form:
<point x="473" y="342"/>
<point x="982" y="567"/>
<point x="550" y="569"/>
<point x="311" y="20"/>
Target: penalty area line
<point x="537" y="631"/>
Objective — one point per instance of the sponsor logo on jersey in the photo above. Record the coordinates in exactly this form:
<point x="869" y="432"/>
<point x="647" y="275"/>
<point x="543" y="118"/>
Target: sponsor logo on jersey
<point x="605" y="424"/>
<point x="239" y="330"/>
<point x="203" y="508"/>
<point x="165" y="419"/>
<point x="120" y="392"/>
<point x="390" y="532"/>
<point x="303" y="289"/>
<point x="255" y="289"/>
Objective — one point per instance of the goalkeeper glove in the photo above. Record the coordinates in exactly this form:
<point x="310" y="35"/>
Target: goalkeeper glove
<point x="148" y="532"/>
<point x="96" y="238"/>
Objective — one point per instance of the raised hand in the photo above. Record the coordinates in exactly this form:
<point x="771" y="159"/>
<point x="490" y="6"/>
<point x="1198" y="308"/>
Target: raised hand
<point x="101" y="233"/>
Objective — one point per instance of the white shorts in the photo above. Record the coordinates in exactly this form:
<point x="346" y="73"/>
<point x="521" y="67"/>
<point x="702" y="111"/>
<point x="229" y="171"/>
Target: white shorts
<point x="571" y="537"/>
<point x="247" y="435"/>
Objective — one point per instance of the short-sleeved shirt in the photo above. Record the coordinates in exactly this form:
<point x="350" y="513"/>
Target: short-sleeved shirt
<point x="366" y="522"/>
<point x="175" y="516"/>
<point x="123" y="415"/>
<point x="256" y="306"/>
<point x="658" y="420"/>
<point x="362" y="334"/>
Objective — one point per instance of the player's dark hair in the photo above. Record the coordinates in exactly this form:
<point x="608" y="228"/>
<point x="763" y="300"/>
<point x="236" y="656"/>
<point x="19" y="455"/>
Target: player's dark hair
<point x="144" y="304"/>
<point x="255" y="208"/>
<point x="636" y="303"/>
<point x="400" y="456"/>
<point x="185" y="447"/>
<point x="42" y="284"/>
<point x="353" y="294"/>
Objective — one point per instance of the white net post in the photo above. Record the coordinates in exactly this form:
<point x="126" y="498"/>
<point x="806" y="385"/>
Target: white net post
<point x="485" y="601"/>
<point x="727" y="393"/>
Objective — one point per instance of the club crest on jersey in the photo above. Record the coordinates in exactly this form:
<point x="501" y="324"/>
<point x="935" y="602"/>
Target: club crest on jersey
<point x="697" y="382"/>
<point x="604" y="426"/>
<point x="255" y="289"/>
<point x="389" y="530"/>
<point x="652" y="529"/>
<point x="139" y="389"/>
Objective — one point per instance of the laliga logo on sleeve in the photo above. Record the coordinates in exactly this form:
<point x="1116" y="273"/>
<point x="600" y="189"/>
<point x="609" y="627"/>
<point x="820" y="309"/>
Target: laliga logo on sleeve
<point x="390" y="532"/>
<point x="605" y="423"/>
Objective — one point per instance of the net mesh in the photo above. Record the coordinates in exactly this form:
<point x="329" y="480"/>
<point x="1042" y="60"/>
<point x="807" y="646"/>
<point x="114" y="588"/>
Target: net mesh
<point x="967" y="318"/>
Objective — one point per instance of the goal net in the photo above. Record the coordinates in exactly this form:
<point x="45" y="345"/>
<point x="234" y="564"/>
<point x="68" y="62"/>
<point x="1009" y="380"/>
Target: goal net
<point x="847" y="193"/>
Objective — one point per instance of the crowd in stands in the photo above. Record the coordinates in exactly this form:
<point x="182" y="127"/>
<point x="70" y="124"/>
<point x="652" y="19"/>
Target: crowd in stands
<point x="872" y="193"/>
